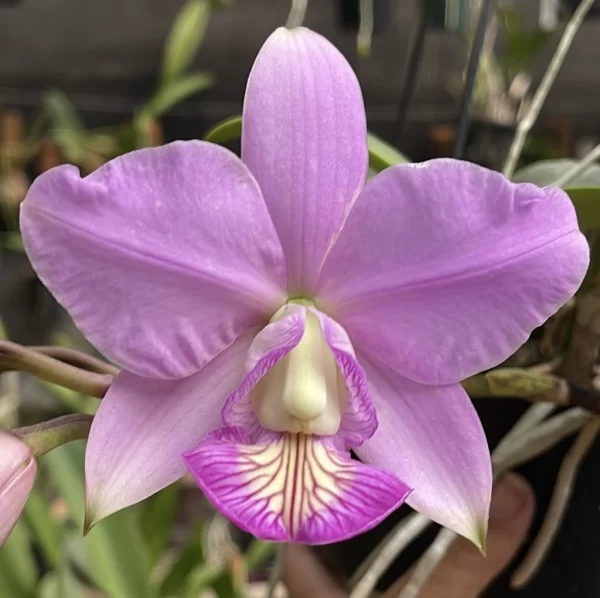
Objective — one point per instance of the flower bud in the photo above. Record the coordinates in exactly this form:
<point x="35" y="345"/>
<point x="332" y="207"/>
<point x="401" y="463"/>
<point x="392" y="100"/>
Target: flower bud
<point x="17" y="474"/>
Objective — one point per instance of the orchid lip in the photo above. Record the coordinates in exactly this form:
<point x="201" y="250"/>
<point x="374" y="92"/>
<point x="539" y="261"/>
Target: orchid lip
<point x="292" y="487"/>
<point x="288" y="479"/>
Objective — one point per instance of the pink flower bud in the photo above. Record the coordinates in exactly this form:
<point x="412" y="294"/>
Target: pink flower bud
<point x="17" y="474"/>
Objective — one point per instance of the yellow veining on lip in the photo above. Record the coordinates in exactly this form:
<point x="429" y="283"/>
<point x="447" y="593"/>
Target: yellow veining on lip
<point x="295" y="475"/>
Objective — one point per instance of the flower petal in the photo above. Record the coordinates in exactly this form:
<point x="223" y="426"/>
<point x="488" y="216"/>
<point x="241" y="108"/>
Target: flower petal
<point x="431" y="438"/>
<point x="292" y="487"/>
<point x="270" y="346"/>
<point x="444" y="269"/>
<point x="304" y="138"/>
<point x="143" y="426"/>
<point x="17" y="475"/>
<point x="162" y="256"/>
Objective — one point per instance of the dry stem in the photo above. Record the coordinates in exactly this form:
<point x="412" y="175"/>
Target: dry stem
<point x="404" y="533"/>
<point x="78" y="359"/>
<point x="296" y="15"/>
<point x="544" y="88"/>
<point x="558" y="505"/>
<point x="578" y="168"/>
<point x="16" y="357"/>
<point x="427" y="564"/>
<point x="528" y="441"/>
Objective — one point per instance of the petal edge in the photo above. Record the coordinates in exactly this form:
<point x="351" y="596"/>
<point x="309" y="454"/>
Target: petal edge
<point x="143" y="426"/>
<point x="432" y="438"/>
<point x="184" y="226"/>
<point x="458" y="282"/>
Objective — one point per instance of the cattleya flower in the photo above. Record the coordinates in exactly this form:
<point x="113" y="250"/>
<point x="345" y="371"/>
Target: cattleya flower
<point x="17" y="475"/>
<point x="272" y="313"/>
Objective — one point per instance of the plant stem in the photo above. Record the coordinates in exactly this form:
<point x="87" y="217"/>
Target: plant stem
<point x="472" y="67"/>
<point x="427" y="563"/>
<point x="538" y="440"/>
<point x="410" y="79"/>
<point x="276" y="570"/>
<point x="578" y="168"/>
<point x="528" y="441"/>
<point x="78" y="359"/>
<point x="296" y="15"/>
<point x="404" y="533"/>
<point x="544" y="88"/>
<point x="19" y="358"/>
<point x="365" y="30"/>
<point x="44" y="437"/>
<point x="558" y="505"/>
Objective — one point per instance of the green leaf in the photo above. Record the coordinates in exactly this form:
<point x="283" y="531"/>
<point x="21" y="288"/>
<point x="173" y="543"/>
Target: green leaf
<point x="157" y="517"/>
<point x="120" y="560"/>
<point x="125" y="138"/>
<point x="67" y="129"/>
<point x="521" y="46"/>
<point x="117" y="557"/>
<point x="49" y="586"/>
<point x="72" y="400"/>
<point x="184" y="39"/>
<point x="190" y="557"/>
<point x="227" y="130"/>
<point x="545" y="172"/>
<point x="510" y="20"/>
<point x="584" y="190"/>
<point x="18" y="571"/>
<point x="171" y="94"/>
<point x="103" y="144"/>
<point x="64" y="467"/>
<point x="75" y="551"/>
<point x="14" y="242"/>
<point x="587" y="206"/>
<point x="36" y="130"/>
<point x="61" y="585"/>
<point x="45" y="528"/>
<point x="258" y="553"/>
<point x="593" y="239"/>
<point x="381" y="153"/>
<point x="224" y="586"/>
<point x="201" y="578"/>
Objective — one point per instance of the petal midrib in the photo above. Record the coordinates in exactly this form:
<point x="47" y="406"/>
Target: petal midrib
<point x="223" y="276"/>
<point x="414" y="284"/>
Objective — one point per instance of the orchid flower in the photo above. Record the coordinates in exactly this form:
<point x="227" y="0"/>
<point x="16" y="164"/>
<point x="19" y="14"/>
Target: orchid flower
<point x="17" y="474"/>
<point x="272" y="313"/>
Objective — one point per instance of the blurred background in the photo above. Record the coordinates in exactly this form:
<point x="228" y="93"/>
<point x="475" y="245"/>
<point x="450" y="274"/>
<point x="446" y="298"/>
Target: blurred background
<point x="83" y="81"/>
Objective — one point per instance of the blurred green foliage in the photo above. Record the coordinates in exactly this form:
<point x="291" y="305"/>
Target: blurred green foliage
<point x="131" y="554"/>
<point x="128" y="555"/>
<point x="89" y="149"/>
<point x="521" y="45"/>
<point x="58" y="120"/>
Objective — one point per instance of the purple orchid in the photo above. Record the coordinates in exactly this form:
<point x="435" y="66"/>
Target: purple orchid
<point x="274" y="312"/>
